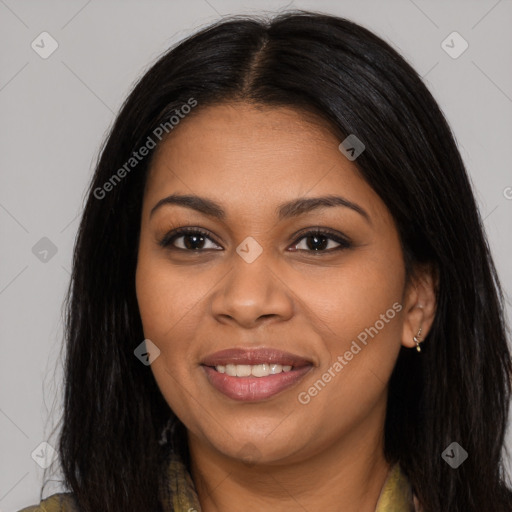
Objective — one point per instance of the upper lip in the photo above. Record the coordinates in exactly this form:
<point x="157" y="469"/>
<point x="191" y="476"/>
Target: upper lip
<point x="255" y="356"/>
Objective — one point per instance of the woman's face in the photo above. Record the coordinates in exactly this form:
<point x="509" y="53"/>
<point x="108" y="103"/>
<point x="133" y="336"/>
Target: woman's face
<point x="232" y="308"/>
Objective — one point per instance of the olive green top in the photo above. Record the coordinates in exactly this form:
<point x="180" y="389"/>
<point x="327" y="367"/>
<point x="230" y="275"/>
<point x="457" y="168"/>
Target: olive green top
<point x="180" y="495"/>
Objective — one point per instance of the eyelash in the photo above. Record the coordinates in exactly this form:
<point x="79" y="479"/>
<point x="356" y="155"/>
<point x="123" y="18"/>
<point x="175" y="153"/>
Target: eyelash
<point x="169" y="238"/>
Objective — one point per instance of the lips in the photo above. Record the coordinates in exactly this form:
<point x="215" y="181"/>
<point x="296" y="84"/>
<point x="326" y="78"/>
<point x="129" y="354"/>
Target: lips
<point x="291" y="368"/>
<point x="255" y="356"/>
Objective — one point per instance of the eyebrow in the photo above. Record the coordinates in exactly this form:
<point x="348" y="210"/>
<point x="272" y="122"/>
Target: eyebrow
<point x="284" y="211"/>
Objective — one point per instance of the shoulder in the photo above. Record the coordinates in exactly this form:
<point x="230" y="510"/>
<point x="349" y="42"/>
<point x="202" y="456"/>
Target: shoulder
<point x="61" y="502"/>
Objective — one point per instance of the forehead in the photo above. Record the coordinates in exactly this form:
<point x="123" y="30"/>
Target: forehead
<point x="241" y="152"/>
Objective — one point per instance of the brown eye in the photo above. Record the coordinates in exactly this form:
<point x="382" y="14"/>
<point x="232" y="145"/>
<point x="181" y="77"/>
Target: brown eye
<point x="318" y="241"/>
<point x="192" y="240"/>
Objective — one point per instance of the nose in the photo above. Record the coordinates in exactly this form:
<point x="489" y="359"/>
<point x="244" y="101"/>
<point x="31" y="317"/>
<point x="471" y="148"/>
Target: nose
<point x="252" y="294"/>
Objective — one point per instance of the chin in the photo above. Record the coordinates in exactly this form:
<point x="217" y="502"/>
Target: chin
<point x="260" y="449"/>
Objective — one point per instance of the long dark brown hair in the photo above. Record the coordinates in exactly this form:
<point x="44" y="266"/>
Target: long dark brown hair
<point x="456" y="390"/>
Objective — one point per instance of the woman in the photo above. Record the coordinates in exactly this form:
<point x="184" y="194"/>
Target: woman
<point x="282" y="294"/>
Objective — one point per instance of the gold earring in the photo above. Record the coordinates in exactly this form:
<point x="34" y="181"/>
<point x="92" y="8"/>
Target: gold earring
<point x="418" y="340"/>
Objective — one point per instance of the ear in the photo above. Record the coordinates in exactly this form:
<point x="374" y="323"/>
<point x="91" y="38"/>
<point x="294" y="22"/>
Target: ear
<point x="419" y="304"/>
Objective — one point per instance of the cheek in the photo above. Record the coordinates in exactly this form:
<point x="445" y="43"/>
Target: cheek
<point x="164" y="295"/>
<point x="171" y="306"/>
<point x="358" y="311"/>
<point x="363" y="297"/>
<point x="354" y="296"/>
<point x="163" y="305"/>
<point x="153" y="297"/>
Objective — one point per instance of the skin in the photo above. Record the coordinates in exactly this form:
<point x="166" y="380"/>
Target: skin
<point x="275" y="454"/>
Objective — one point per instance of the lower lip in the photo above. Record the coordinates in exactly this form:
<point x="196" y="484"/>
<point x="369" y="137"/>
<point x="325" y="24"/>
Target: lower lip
<point x="252" y="389"/>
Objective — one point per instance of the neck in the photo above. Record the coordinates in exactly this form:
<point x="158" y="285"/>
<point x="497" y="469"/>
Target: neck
<point x="347" y="476"/>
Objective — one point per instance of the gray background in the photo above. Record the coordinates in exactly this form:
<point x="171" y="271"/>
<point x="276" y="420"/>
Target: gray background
<point x="55" y="112"/>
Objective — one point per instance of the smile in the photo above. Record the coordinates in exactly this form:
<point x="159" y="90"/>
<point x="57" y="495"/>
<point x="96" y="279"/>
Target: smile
<point x="255" y="370"/>
<point x="252" y="375"/>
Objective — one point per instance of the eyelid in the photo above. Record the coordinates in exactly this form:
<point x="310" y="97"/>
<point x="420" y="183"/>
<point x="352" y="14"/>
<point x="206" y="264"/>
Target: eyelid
<point x="166" y="240"/>
<point x="327" y="232"/>
<point x="341" y="239"/>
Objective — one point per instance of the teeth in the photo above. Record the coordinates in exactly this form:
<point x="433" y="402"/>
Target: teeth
<point x="243" y="370"/>
<point x="276" y="368"/>
<point x="231" y="370"/>
<point x="260" y="370"/>
<point x="255" y="370"/>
